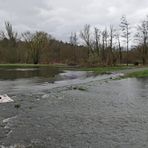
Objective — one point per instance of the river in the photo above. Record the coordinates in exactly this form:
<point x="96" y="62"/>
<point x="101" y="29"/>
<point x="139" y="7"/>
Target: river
<point x="72" y="109"/>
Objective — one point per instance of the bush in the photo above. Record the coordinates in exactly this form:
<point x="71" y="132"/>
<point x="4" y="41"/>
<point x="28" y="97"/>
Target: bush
<point x="136" y="63"/>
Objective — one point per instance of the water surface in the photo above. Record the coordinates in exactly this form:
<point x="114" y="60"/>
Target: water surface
<point x="105" y="113"/>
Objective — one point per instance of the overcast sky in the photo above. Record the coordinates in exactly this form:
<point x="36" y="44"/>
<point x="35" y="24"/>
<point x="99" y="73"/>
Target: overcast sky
<point x="61" y="17"/>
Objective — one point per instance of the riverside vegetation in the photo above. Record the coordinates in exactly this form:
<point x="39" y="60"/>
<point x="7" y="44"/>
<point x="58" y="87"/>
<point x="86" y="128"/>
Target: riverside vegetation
<point x="90" y="47"/>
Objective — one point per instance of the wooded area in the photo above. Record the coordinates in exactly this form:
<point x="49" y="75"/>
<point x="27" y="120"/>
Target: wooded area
<point x="92" y="46"/>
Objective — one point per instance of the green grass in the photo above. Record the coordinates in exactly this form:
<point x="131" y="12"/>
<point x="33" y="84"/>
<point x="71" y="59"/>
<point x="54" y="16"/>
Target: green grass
<point x="103" y="70"/>
<point x="138" y="74"/>
<point x="30" y="65"/>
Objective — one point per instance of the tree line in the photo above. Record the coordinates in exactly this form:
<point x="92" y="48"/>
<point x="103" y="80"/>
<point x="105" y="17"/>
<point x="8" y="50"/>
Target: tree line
<point x="91" y="46"/>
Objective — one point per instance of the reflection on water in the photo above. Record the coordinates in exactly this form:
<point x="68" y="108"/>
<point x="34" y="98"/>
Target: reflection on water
<point x="46" y="72"/>
<point x="38" y="79"/>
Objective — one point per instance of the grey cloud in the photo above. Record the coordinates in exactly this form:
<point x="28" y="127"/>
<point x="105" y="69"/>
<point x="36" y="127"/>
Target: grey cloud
<point x="60" y="17"/>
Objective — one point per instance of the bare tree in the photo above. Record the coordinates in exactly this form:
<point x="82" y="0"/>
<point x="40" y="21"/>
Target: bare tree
<point x="9" y="34"/>
<point x="73" y="39"/>
<point x="104" y="45"/>
<point x="28" y="36"/>
<point x="119" y="46"/>
<point x="85" y="35"/>
<point x="74" y="43"/>
<point x="142" y="34"/>
<point x="97" y="36"/>
<point x="106" y="35"/>
<point x="125" y="27"/>
<point x="10" y="37"/>
<point x="110" y="52"/>
<point x="36" y="42"/>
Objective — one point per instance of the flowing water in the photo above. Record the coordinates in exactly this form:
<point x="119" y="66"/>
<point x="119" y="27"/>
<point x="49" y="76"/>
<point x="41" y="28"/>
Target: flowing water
<point x="72" y="109"/>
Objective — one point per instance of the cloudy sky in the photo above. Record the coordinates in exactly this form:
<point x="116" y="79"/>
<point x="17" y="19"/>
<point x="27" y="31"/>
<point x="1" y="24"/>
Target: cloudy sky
<point x="61" y="17"/>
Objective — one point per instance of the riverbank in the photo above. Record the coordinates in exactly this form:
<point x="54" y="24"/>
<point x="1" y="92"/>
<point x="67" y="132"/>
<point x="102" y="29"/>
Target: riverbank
<point x="138" y="74"/>
<point x="97" y="70"/>
<point x="129" y="71"/>
<point x="30" y="65"/>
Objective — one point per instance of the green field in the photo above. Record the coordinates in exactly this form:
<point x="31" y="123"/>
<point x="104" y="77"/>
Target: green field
<point x="138" y="74"/>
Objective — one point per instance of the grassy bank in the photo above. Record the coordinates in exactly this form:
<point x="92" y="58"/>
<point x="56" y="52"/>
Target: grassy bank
<point x="30" y="65"/>
<point x="97" y="70"/>
<point x="138" y="74"/>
